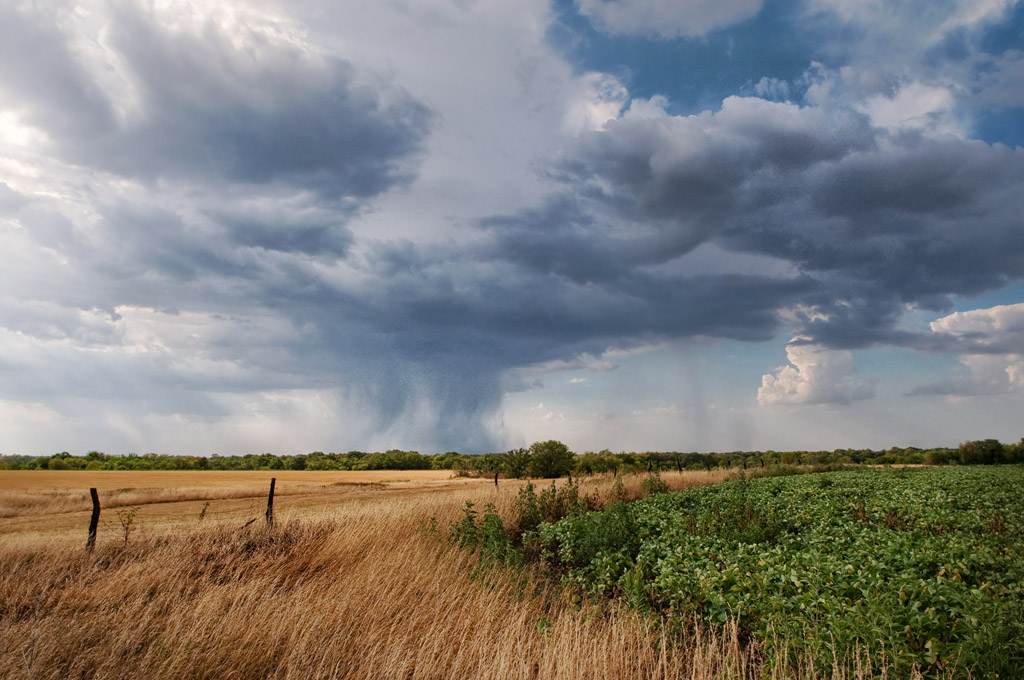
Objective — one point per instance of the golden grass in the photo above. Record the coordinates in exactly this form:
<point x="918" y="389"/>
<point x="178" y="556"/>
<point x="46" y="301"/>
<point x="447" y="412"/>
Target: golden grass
<point x="48" y="492"/>
<point x="344" y="586"/>
<point x="30" y="480"/>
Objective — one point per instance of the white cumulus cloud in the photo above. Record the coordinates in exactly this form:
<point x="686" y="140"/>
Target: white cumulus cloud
<point x="1002" y="325"/>
<point x="993" y="354"/>
<point x="600" y="98"/>
<point x="914" y="106"/>
<point x="816" y="375"/>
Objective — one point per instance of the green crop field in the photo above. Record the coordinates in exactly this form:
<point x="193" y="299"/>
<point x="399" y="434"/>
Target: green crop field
<point x="906" y="569"/>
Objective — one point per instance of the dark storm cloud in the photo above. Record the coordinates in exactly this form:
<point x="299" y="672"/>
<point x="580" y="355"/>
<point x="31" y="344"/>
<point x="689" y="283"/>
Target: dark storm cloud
<point x="878" y="220"/>
<point x="248" y="154"/>
<point x="440" y="327"/>
<point x="247" y="164"/>
<point x="208" y="109"/>
<point x="252" y="159"/>
<point x="507" y="306"/>
<point x="286" y="228"/>
<point x="602" y="262"/>
<point x="200" y="107"/>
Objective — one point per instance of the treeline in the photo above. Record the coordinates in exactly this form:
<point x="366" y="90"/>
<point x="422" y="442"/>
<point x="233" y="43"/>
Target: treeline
<point x="542" y="459"/>
<point x="317" y="460"/>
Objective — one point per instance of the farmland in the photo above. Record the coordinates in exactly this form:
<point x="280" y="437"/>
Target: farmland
<point x="908" y="569"/>
<point x="777" y="577"/>
<point x="347" y="584"/>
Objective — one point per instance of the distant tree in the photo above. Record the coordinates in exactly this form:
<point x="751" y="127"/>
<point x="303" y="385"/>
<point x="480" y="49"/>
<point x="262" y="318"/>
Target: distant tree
<point x="444" y="461"/>
<point x="982" y="452"/>
<point x="318" y="461"/>
<point x="1014" y="453"/>
<point x="609" y="462"/>
<point x="588" y="463"/>
<point x="550" y="459"/>
<point x="516" y="462"/>
<point x="937" y="457"/>
<point x="488" y="463"/>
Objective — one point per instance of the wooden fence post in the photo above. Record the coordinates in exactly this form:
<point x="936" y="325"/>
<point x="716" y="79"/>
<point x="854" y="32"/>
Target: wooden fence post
<point x="94" y="521"/>
<point x="495" y="479"/>
<point x="270" y="503"/>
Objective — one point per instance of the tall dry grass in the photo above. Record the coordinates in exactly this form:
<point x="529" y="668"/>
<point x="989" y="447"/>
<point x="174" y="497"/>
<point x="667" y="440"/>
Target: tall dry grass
<point x="359" y="591"/>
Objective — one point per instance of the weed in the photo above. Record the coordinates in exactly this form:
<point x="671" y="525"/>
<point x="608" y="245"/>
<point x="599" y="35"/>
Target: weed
<point x="655" y="484"/>
<point x="126" y="516"/>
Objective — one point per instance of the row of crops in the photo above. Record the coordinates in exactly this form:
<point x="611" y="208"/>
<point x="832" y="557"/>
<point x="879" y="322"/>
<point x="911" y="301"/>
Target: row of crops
<point x="909" y="568"/>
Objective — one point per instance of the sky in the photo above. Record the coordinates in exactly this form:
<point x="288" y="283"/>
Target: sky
<point x="231" y="226"/>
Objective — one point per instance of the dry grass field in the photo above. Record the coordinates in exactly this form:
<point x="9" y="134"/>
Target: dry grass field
<point x="347" y="584"/>
<point x="50" y="502"/>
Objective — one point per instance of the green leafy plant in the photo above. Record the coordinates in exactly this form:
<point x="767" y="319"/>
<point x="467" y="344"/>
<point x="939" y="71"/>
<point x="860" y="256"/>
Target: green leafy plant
<point x="619" y="490"/>
<point x="655" y="484"/>
<point x="465" y="532"/>
<point x="916" y="569"/>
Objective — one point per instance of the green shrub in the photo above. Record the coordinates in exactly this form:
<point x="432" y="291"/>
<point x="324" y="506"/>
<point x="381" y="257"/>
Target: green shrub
<point x="485" y="534"/>
<point x="464" y="533"/>
<point x="655" y="484"/>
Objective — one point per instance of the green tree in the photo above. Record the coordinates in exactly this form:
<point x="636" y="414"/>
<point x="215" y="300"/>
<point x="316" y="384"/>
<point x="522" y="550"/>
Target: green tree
<point x="516" y="462"/>
<point x="550" y="459"/>
<point x="1014" y="453"/>
<point x="983" y="452"/>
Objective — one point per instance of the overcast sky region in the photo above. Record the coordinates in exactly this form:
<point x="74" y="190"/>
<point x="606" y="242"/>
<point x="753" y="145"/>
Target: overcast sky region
<point x="235" y="226"/>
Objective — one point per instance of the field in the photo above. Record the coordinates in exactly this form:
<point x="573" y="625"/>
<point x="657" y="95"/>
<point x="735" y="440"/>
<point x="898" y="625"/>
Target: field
<point x="357" y="578"/>
<point x="913" y="570"/>
<point x="49" y="500"/>
<point x="347" y="584"/>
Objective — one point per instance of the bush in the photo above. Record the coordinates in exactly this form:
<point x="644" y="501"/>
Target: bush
<point x="655" y="484"/>
<point x="488" y="535"/>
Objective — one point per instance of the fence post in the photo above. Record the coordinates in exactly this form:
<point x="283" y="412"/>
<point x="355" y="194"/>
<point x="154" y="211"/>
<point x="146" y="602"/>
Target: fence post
<point x="495" y="479"/>
<point x="270" y="503"/>
<point x="94" y="521"/>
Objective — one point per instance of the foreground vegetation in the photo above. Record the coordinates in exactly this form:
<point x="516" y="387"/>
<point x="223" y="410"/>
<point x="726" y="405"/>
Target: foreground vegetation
<point x="354" y="589"/>
<point x="747" y="579"/>
<point x="911" y="570"/>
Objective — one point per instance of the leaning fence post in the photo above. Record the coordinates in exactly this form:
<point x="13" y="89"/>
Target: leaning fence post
<point x="270" y="503"/>
<point x="94" y="521"/>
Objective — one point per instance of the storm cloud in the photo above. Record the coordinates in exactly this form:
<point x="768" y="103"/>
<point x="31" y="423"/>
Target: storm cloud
<point x="179" y="104"/>
<point x="249" y="222"/>
<point x="874" y="221"/>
